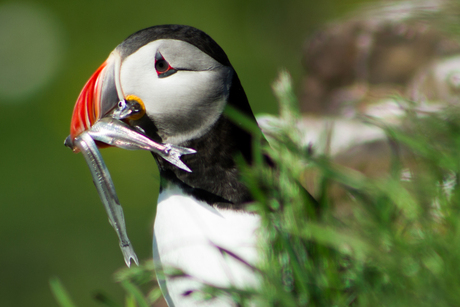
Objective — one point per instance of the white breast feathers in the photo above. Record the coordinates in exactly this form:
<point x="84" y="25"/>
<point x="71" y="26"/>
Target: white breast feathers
<point x="187" y="234"/>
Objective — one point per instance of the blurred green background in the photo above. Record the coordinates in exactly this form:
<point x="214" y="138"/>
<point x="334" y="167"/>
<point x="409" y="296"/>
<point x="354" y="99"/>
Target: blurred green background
<point x="52" y="222"/>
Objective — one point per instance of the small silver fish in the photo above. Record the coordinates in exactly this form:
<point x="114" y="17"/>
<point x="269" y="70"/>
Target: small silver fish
<point x="116" y="133"/>
<point x="106" y="190"/>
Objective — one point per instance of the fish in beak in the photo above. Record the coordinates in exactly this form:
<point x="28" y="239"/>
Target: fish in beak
<point x="100" y="118"/>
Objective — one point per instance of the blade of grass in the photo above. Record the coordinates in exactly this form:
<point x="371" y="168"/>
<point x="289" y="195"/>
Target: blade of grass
<point x="135" y="292"/>
<point x="60" y="293"/>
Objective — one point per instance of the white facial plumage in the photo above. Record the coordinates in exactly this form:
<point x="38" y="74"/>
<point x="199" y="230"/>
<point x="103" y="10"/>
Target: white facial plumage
<point x="185" y="104"/>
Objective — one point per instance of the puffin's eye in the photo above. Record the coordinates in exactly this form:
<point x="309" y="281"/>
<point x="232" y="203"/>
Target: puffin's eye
<point x="162" y="66"/>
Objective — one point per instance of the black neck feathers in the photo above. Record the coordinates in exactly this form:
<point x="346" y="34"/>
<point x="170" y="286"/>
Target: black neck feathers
<point x="215" y="176"/>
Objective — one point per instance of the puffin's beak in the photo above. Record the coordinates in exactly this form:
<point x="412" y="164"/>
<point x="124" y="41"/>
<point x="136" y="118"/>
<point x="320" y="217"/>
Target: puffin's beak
<point x="98" y="97"/>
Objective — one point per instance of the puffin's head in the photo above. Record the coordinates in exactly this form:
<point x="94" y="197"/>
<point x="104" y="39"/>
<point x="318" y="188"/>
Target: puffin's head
<point x="170" y="82"/>
<point x="164" y="89"/>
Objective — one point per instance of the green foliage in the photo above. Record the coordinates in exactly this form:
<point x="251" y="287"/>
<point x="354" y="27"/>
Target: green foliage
<point x="60" y="293"/>
<point x="135" y="281"/>
<point x="397" y="248"/>
<point x="399" y="245"/>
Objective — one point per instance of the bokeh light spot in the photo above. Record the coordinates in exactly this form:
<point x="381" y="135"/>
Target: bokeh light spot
<point x="31" y="50"/>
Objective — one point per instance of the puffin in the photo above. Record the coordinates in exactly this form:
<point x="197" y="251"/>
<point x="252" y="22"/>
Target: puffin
<point x="169" y="85"/>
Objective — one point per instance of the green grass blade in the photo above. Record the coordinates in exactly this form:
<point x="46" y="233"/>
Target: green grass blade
<point x="135" y="292"/>
<point x="60" y="293"/>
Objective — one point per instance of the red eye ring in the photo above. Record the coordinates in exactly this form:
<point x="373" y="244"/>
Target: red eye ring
<point x="162" y="67"/>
